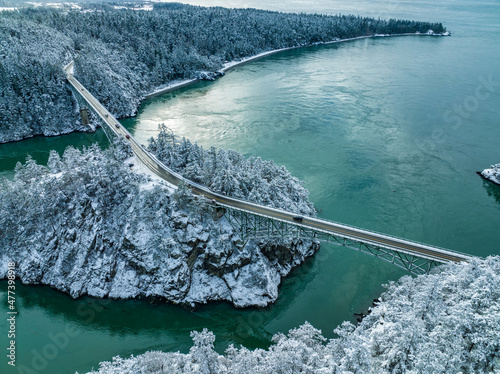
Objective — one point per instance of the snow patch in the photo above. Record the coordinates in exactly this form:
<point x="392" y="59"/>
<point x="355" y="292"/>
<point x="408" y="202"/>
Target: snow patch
<point x="206" y="287"/>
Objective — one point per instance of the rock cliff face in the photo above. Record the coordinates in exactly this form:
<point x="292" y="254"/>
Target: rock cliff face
<point x="87" y="225"/>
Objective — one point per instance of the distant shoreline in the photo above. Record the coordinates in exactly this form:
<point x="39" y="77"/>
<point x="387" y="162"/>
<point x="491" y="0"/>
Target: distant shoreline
<point x="233" y="64"/>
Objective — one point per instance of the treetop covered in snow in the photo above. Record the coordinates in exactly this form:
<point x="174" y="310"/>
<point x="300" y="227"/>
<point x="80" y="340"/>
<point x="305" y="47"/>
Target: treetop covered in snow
<point x="230" y="173"/>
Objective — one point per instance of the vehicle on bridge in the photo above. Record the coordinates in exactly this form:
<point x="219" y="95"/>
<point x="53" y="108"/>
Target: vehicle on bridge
<point x="298" y="218"/>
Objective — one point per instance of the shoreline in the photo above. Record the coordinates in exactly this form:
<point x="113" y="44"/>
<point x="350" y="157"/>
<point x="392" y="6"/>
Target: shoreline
<point x="34" y="136"/>
<point x="228" y="66"/>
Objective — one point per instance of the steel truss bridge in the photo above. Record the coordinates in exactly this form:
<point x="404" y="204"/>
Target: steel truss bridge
<point x="257" y="221"/>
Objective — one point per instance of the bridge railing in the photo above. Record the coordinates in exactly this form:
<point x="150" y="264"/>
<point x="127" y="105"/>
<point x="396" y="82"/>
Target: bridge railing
<point x="401" y="239"/>
<point x="342" y="225"/>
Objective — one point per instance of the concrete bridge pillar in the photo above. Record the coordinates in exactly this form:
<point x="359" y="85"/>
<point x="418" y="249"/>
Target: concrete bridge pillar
<point x="84" y="115"/>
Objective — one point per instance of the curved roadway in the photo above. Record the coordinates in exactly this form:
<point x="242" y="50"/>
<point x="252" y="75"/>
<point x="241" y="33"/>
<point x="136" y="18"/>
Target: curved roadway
<point x="349" y="232"/>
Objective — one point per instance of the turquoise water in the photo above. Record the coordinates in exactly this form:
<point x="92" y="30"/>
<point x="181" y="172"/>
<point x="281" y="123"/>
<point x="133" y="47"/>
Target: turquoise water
<point x="369" y="125"/>
<point x="365" y="125"/>
<point x="39" y="148"/>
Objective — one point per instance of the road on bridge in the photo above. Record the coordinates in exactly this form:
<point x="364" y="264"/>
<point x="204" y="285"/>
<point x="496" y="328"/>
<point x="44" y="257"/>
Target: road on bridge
<point x="328" y="227"/>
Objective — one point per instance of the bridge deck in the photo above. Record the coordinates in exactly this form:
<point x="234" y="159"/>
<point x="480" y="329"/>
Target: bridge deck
<point x="337" y="229"/>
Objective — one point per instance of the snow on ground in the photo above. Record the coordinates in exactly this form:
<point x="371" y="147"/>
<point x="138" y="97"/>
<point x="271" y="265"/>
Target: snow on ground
<point x="152" y="179"/>
<point x="144" y="7"/>
<point x="232" y="64"/>
<point x="171" y="87"/>
<point x="56" y="5"/>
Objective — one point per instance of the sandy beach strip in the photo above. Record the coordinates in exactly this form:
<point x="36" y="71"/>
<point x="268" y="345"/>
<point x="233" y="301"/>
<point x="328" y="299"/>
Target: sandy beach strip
<point x="228" y="66"/>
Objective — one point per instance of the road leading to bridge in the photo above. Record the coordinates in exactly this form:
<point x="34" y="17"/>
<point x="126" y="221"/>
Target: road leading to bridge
<point x="348" y="232"/>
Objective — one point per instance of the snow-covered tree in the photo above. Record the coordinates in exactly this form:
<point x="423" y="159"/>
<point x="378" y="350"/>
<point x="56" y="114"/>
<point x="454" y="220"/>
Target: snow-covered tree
<point x="230" y="173"/>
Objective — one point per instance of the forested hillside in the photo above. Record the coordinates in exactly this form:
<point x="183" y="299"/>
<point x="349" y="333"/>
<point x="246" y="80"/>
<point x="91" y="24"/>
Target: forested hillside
<point x="121" y="55"/>
<point x="447" y="322"/>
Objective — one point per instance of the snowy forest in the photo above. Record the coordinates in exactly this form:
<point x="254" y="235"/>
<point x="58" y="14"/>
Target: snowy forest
<point x="121" y="55"/>
<point x="445" y="322"/>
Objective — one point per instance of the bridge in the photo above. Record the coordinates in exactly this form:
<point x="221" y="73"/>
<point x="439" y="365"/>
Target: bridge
<point x="254" y="221"/>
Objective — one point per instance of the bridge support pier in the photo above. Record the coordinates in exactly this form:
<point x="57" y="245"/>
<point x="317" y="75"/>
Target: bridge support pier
<point x="88" y="115"/>
<point x="248" y="225"/>
<point x="84" y="116"/>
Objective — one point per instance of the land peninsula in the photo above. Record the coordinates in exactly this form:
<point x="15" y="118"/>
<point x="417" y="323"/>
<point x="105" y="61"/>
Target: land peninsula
<point x="123" y="55"/>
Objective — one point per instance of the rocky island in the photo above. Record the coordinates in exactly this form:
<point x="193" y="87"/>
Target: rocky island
<point x="492" y="174"/>
<point x="87" y="224"/>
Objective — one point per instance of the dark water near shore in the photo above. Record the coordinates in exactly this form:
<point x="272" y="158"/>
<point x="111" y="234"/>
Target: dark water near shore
<point x="387" y="134"/>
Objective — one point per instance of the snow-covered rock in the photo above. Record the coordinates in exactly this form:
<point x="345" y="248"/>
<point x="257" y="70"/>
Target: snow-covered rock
<point x="86" y="225"/>
<point x="493" y="173"/>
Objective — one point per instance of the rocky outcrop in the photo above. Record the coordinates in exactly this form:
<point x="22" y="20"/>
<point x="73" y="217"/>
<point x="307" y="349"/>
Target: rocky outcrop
<point x="87" y="225"/>
<point x="183" y="262"/>
<point x="492" y="174"/>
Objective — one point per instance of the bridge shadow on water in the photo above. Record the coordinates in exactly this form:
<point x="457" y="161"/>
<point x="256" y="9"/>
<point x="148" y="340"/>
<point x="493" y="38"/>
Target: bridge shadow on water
<point x="104" y="328"/>
<point x="121" y="318"/>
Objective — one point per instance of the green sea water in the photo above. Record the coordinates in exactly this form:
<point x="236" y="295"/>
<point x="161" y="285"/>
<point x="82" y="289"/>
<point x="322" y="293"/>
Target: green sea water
<point x="387" y="134"/>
